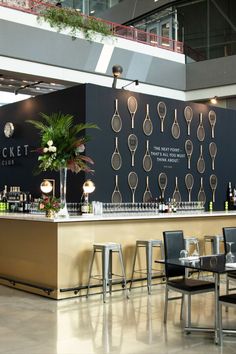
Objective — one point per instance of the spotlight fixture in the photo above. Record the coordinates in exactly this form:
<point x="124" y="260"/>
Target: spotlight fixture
<point x="48" y="186"/>
<point x="117" y="70"/>
<point x="130" y="83"/>
<point x="214" y="100"/>
<point x="88" y="187"/>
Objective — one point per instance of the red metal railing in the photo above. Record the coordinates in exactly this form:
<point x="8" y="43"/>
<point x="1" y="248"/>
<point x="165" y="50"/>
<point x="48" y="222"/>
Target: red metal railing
<point x="130" y="33"/>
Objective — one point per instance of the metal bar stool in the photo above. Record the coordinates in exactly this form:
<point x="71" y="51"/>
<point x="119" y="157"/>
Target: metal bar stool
<point x="148" y="244"/>
<point x="215" y="243"/>
<point x="106" y="250"/>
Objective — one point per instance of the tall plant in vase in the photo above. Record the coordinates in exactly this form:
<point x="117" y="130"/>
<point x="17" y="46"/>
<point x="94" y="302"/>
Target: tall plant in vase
<point x="62" y="148"/>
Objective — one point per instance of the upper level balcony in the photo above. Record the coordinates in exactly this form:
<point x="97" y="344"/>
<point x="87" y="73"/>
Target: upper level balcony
<point x="32" y="47"/>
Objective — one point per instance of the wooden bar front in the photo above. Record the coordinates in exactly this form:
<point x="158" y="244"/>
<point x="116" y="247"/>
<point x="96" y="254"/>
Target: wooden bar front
<point x="56" y="254"/>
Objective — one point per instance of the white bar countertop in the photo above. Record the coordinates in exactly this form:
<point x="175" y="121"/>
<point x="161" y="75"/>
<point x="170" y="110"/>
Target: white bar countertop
<point x="115" y="216"/>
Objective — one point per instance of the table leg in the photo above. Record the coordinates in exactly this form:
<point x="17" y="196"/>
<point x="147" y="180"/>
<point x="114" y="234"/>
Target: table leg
<point x="217" y="307"/>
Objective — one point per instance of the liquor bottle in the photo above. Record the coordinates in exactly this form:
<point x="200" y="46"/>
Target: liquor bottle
<point x="4" y="200"/>
<point x="161" y="205"/>
<point x="27" y="202"/>
<point x="230" y="196"/>
<point x="85" y="208"/>
<point x="21" y="204"/>
<point x="174" y="206"/>
<point x="170" y="206"/>
<point x="234" y="197"/>
<point x="165" y="207"/>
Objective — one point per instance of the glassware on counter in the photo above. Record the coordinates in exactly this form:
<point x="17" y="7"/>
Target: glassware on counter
<point x="123" y="208"/>
<point x="100" y="208"/>
<point x="229" y="257"/>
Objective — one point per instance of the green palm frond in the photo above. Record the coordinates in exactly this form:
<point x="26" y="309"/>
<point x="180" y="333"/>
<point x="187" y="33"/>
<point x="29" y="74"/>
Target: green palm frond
<point x="39" y="125"/>
<point x="59" y="130"/>
<point x="79" y="127"/>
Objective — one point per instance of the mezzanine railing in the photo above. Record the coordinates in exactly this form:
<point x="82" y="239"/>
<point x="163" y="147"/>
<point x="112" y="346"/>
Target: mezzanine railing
<point x="126" y="32"/>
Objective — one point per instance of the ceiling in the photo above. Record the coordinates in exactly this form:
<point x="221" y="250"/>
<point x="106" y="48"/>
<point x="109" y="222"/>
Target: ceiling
<point x="30" y="85"/>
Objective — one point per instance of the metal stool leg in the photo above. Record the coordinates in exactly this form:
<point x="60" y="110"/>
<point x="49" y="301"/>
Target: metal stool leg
<point x="110" y="272"/>
<point x="189" y="313"/>
<point x="227" y="290"/>
<point x="166" y="304"/>
<point x="149" y="266"/>
<point x="90" y="272"/>
<point x="220" y="334"/>
<point x="123" y="271"/>
<point x="216" y="246"/>
<point x="132" y="275"/>
<point x="162" y="251"/>
<point x="182" y="308"/>
<point x="105" y="271"/>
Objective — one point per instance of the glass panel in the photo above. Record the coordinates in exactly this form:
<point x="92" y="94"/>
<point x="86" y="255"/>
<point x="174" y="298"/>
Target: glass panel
<point x="91" y="7"/>
<point x="165" y="33"/>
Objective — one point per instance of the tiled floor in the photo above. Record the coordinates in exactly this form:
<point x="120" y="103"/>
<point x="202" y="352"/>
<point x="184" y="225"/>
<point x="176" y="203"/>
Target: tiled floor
<point x="30" y="324"/>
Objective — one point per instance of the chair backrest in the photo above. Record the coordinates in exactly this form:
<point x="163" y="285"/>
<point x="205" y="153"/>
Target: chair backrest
<point x="229" y="234"/>
<point x="173" y="244"/>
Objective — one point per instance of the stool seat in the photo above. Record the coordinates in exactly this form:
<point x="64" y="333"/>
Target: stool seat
<point x="106" y="250"/>
<point x="109" y="246"/>
<point x="149" y="245"/>
<point x="153" y="242"/>
<point x="191" y="238"/>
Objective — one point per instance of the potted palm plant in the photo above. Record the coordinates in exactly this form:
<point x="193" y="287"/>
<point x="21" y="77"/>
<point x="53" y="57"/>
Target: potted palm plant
<point x="62" y="147"/>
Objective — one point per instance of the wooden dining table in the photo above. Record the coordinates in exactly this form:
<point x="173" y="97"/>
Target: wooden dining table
<point x="215" y="264"/>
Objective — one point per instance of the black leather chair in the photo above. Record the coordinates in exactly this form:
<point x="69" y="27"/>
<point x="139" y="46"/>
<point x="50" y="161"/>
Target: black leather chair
<point x="225" y="300"/>
<point x="229" y="234"/>
<point x="175" y="275"/>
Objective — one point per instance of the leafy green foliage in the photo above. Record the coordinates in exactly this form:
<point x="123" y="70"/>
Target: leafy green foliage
<point x="62" y="18"/>
<point x="61" y="143"/>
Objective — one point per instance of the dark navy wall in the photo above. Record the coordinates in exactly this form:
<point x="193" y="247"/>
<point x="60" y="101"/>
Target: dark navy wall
<point x="71" y="101"/>
<point x="100" y="106"/>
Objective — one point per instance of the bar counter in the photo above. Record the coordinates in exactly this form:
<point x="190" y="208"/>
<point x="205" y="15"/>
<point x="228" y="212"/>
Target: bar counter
<point x="51" y="257"/>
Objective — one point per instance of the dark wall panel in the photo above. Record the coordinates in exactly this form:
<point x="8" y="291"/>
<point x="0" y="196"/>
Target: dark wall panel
<point x="21" y="173"/>
<point x="102" y="147"/>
